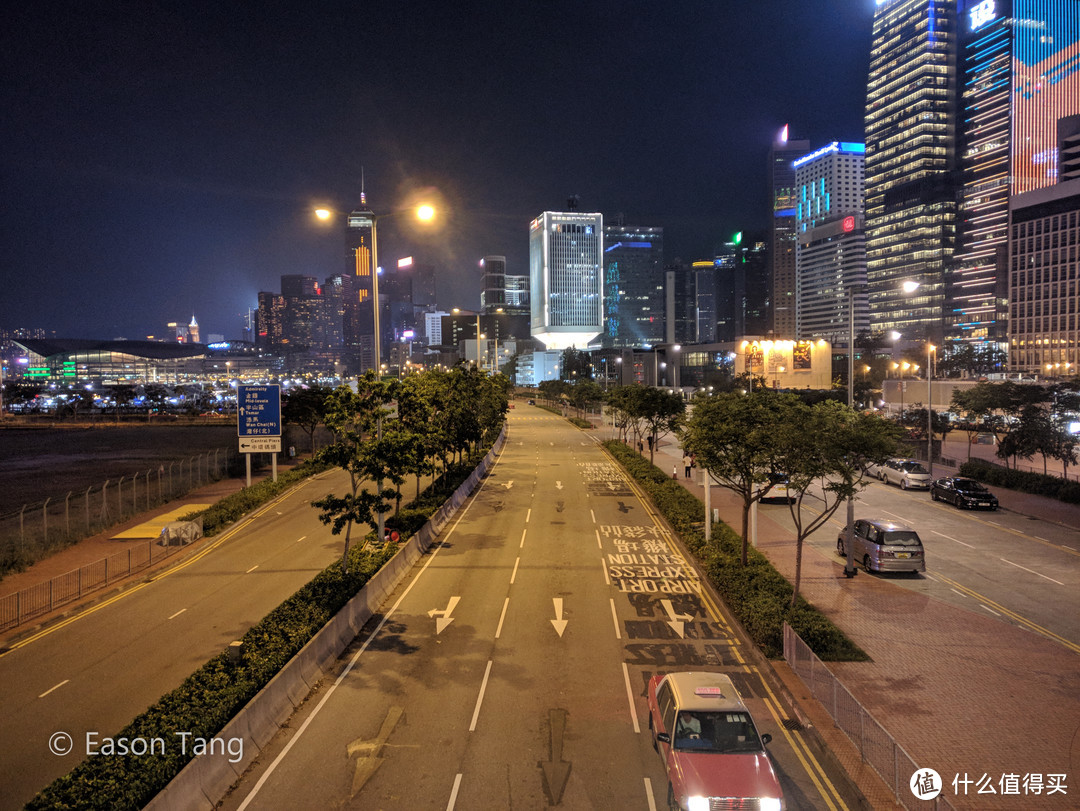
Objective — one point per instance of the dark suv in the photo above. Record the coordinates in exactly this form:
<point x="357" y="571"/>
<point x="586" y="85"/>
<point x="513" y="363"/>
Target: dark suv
<point x="967" y="494"/>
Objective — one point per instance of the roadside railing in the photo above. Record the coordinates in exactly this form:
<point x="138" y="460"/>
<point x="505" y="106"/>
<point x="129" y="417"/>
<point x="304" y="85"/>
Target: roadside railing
<point x="41" y="598"/>
<point x="39" y="528"/>
<point x="876" y="746"/>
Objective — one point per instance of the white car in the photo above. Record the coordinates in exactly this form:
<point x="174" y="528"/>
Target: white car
<point x="907" y="474"/>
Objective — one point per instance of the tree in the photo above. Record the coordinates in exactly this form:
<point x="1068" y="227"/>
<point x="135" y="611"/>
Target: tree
<point x="585" y="393"/>
<point x="827" y="446"/>
<point x="733" y="437"/>
<point x="976" y="404"/>
<point x="305" y="408"/>
<point x="353" y="418"/>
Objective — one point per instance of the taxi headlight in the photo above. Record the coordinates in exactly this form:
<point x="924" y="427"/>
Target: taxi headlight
<point x="771" y="804"/>
<point x="697" y="804"/>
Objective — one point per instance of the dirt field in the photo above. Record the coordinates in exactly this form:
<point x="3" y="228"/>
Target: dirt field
<point x="39" y="462"/>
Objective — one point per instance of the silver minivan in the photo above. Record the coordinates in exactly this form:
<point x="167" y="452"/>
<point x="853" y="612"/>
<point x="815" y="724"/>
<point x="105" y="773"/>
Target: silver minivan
<point x="884" y="546"/>
<point x="907" y="474"/>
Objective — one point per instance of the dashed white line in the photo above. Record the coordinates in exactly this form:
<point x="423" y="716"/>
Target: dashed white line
<point x="480" y="698"/>
<point x="603" y="566"/>
<point x="949" y="538"/>
<point x="992" y="611"/>
<point x="630" y="698"/>
<point x="513" y="574"/>
<point x="649" y="794"/>
<point x="599" y="543"/>
<point x="528" y="512"/>
<point x="954" y="591"/>
<point x="253" y="568"/>
<point x="1026" y="569"/>
<point x="301" y="538"/>
<point x="522" y="544"/>
<point x="502" y="617"/>
<point x="593" y="516"/>
<point x="615" y="619"/>
<point x="178" y="613"/>
<point x="453" y="792"/>
<point x="56" y="687"/>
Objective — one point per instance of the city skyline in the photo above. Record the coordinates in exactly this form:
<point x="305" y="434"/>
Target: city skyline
<point x="166" y="163"/>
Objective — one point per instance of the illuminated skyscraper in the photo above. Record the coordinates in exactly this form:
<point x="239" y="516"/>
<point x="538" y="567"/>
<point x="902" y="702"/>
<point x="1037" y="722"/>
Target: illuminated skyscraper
<point x="910" y="134"/>
<point x="633" y="286"/>
<point x="360" y="316"/>
<point x="566" y="279"/>
<point x="831" y="257"/>
<point x="1021" y="67"/>
<point x="782" y="233"/>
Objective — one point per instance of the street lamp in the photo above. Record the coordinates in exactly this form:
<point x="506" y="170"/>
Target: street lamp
<point x="929" y="411"/>
<point x="424" y="212"/>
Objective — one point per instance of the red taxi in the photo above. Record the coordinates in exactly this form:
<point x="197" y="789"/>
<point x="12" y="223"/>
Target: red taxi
<point x="712" y="752"/>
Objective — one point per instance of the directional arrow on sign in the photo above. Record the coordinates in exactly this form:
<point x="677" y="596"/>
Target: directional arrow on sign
<point x="558" y="622"/>
<point x="444" y="617"/>
<point x="556" y="770"/>
<point x="676" y="621"/>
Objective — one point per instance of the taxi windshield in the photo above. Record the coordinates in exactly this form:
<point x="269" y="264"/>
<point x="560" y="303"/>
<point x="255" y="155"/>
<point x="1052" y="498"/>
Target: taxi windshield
<point x="716" y="732"/>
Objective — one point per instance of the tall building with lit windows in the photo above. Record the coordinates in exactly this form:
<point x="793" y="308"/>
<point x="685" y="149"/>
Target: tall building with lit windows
<point x="566" y="278"/>
<point x="360" y="315"/>
<point x="831" y="256"/>
<point x="782" y="244"/>
<point x="910" y="134"/>
<point x="633" y="286"/>
<point x="1020" y="62"/>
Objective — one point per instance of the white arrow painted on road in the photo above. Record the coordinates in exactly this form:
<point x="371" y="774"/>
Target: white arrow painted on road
<point x="558" y="485"/>
<point x="444" y="615"/>
<point x="558" y="622"/>
<point x="676" y="621"/>
<point x="508" y="484"/>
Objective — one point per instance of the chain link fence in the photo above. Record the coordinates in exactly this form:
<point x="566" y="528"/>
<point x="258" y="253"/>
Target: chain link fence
<point x="876" y="746"/>
<point x="40" y="528"/>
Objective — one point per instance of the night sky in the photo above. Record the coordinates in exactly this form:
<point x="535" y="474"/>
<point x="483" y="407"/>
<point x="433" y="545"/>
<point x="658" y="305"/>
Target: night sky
<point x="161" y="159"/>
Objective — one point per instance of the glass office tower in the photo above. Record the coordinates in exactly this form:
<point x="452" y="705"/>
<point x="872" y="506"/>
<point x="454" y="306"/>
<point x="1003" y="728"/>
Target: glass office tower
<point x="566" y="278"/>
<point x="910" y="162"/>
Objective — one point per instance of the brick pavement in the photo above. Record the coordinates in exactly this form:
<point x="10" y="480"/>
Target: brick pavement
<point x="961" y="692"/>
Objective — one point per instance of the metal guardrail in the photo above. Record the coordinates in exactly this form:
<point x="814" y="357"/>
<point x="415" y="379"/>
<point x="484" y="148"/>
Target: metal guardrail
<point x="39" y="599"/>
<point x="876" y="746"/>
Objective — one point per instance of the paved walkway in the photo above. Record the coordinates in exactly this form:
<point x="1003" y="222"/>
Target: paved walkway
<point x="962" y="693"/>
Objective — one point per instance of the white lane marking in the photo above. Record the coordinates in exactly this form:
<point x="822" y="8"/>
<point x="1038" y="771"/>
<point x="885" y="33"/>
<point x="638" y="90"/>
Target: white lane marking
<point x="948" y="538"/>
<point x="559" y="623"/>
<point x="302" y="537"/>
<point x="992" y="611"/>
<point x="649" y="794"/>
<point x="615" y="619"/>
<point x="253" y="568"/>
<point x="593" y="516"/>
<point x="528" y="512"/>
<point x="1026" y="569"/>
<point x="355" y="658"/>
<point x="630" y="698"/>
<point x="55" y="687"/>
<point x="178" y="613"/>
<point x="480" y="698"/>
<point x="453" y="792"/>
<point x="502" y="617"/>
<point x="599" y="543"/>
<point x="958" y="592"/>
<point x="513" y="574"/>
<point x="1069" y="548"/>
<point x="522" y="544"/>
<point x="603" y="565"/>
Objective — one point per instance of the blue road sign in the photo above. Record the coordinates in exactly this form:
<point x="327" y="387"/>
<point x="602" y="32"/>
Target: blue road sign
<point x="259" y="410"/>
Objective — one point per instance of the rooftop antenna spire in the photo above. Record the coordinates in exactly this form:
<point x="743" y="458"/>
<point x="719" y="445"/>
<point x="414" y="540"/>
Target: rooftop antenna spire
<point x="363" y="197"/>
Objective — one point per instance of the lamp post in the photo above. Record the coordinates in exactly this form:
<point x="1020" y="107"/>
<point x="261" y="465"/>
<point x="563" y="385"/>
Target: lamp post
<point x="929" y="412"/>
<point x="675" y="366"/>
<point x="849" y="534"/>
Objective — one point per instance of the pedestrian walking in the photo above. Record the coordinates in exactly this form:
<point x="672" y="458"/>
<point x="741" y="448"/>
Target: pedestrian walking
<point x="687" y="464"/>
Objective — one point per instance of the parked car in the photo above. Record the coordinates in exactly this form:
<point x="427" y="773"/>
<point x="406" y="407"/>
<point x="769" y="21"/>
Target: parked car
<point x="907" y="474"/>
<point x="777" y="491"/>
<point x="712" y="752"/>
<point x="967" y="494"/>
<point x="884" y="546"/>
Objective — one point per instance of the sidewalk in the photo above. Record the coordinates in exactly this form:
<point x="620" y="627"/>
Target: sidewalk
<point x="962" y="693"/>
<point x="100" y="546"/>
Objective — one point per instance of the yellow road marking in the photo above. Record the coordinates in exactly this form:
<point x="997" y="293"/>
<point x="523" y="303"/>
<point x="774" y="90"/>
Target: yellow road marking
<point x="171" y="570"/>
<point x="810" y="764"/>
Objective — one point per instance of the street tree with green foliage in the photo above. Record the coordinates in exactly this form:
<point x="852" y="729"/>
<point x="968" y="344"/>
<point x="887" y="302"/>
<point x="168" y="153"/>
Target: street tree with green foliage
<point x="827" y="447"/>
<point x="353" y="418"/>
<point x="305" y="408"/>
<point x="734" y="438"/>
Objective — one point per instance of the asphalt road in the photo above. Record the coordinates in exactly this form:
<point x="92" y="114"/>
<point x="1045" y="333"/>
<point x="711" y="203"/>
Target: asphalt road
<point x="1020" y="569"/>
<point x="509" y="670"/>
<point x="100" y="667"/>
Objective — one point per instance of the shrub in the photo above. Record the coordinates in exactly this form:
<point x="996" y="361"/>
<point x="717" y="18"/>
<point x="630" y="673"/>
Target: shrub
<point x="757" y="594"/>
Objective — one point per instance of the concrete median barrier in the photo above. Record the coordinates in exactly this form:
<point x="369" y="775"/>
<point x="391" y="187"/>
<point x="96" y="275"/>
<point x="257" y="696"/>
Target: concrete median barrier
<point x="207" y="778"/>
